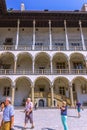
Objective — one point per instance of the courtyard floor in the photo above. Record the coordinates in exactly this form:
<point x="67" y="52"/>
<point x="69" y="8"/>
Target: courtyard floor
<point x="50" y="119"/>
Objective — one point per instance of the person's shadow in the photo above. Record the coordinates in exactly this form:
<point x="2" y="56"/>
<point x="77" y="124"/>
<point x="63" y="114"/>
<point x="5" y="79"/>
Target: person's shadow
<point x="47" y="129"/>
<point x="16" y="126"/>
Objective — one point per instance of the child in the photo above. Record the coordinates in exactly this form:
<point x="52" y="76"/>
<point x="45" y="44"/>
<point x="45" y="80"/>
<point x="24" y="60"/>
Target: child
<point x="64" y="115"/>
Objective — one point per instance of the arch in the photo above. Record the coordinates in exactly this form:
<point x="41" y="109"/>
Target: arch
<point x="28" y="79"/>
<point x="6" y="78"/>
<point x="42" y="53"/>
<point x="7" y="60"/>
<point x="77" y="53"/>
<point x="5" y="87"/>
<point x="57" y="53"/>
<point x="79" y="87"/>
<point x="42" y="77"/>
<point x="22" y="90"/>
<point x="77" y="61"/>
<point x="65" y="80"/>
<point x="24" y="62"/>
<point x="78" y="77"/>
<point x="24" y="53"/>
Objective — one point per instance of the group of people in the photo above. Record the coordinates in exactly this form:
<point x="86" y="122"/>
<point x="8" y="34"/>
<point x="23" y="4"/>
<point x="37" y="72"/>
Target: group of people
<point x="7" y="114"/>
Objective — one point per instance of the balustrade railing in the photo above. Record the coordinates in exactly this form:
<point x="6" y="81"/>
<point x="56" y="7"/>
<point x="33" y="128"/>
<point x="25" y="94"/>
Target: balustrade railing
<point x="39" y="48"/>
<point x="43" y="72"/>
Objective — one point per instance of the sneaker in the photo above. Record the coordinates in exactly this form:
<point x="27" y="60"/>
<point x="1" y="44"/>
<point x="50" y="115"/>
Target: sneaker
<point x="32" y="127"/>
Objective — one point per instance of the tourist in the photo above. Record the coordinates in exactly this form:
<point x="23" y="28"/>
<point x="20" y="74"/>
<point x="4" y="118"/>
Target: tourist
<point x="2" y="106"/>
<point x="8" y="115"/>
<point x="78" y="107"/>
<point x="63" y="109"/>
<point x="29" y="113"/>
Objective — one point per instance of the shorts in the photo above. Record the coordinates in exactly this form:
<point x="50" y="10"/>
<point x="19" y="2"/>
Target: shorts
<point x="29" y="117"/>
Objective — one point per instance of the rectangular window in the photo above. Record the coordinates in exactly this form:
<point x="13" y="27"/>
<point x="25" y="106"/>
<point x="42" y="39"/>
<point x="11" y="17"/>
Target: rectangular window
<point x="41" y="89"/>
<point x="8" y="41"/>
<point x="6" y="91"/>
<point x="75" y="44"/>
<point x="59" y="44"/>
<point x="62" y="90"/>
<point x="60" y="65"/>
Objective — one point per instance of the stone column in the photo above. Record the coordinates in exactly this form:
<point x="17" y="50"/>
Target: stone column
<point x="32" y="92"/>
<point x="82" y="36"/>
<point x="33" y="48"/>
<point x="13" y="94"/>
<point x="52" y="97"/>
<point x="15" y="66"/>
<point x="50" y="35"/>
<point x="33" y="67"/>
<point x="51" y="66"/>
<point x="66" y="35"/>
<point x="17" y="37"/>
<point x="69" y="67"/>
<point x="71" y="95"/>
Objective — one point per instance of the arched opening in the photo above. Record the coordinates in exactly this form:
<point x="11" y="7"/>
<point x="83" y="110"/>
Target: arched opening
<point x="42" y="90"/>
<point x="22" y="90"/>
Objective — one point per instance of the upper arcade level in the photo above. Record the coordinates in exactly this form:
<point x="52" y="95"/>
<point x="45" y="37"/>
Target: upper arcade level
<point x="43" y="39"/>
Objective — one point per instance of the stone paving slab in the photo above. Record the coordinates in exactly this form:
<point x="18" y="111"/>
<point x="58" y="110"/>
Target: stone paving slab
<point x="50" y="119"/>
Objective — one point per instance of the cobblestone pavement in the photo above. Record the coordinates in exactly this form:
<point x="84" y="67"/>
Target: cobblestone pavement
<point x="49" y="119"/>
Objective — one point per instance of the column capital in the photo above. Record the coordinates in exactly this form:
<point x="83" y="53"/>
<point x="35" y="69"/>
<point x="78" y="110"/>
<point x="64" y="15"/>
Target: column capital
<point x="65" y="22"/>
<point x="80" y="22"/>
<point x="34" y="21"/>
<point x="49" y="21"/>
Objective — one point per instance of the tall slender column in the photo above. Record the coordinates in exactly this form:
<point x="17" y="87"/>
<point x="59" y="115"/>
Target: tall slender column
<point x="13" y="94"/>
<point x="33" y="66"/>
<point x="51" y="66"/>
<point x="69" y="66"/>
<point x="15" y="65"/>
<point x="82" y="36"/>
<point x="32" y="92"/>
<point x="71" y="95"/>
<point x="52" y="96"/>
<point x="17" y="37"/>
<point x="50" y="35"/>
<point x="33" y="35"/>
<point x="66" y="36"/>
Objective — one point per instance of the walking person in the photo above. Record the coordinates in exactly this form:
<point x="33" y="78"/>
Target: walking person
<point x="63" y="109"/>
<point x="2" y="106"/>
<point x="29" y="113"/>
<point x="78" y="107"/>
<point x="8" y="115"/>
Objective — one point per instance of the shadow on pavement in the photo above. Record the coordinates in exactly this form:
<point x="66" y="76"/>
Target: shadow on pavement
<point x="16" y="126"/>
<point x="47" y="129"/>
<point x="73" y="116"/>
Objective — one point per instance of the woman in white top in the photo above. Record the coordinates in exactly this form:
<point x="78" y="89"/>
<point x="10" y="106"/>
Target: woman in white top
<point x="2" y="106"/>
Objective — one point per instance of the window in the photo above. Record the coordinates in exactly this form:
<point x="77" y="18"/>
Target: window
<point x="39" y="44"/>
<point x="75" y="44"/>
<point x="62" y="90"/>
<point x="84" y="89"/>
<point x="60" y="65"/>
<point x="78" y="65"/>
<point x="59" y="44"/>
<point x="6" y="91"/>
<point x="8" y="41"/>
<point x="41" y="89"/>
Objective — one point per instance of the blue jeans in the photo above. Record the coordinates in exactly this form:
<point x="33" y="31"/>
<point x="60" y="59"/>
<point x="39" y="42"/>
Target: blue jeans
<point x="64" y="122"/>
